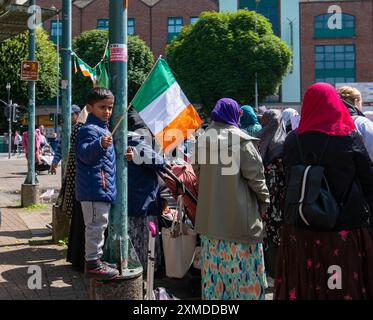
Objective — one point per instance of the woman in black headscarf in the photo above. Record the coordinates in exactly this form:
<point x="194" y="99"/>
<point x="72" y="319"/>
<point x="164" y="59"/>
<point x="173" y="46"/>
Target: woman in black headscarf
<point x="272" y="138"/>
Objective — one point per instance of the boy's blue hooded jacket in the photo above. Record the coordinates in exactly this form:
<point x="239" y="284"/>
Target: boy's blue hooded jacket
<point x="95" y="166"/>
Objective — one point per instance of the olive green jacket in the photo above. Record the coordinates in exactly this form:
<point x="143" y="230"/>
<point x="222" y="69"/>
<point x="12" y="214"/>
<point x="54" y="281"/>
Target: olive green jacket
<point x="232" y="189"/>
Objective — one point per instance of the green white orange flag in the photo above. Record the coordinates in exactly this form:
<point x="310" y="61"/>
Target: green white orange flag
<point x="164" y="107"/>
<point x="87" y="70"/>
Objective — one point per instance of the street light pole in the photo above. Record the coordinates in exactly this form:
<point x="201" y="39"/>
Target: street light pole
<point x="8" y="87"/>
<point x="57" y="76"/>
<point x="256" y="73"/>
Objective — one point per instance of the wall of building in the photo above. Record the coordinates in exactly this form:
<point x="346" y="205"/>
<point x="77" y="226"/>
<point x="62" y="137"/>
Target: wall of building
<point x="151" y="22"/>
<point x="363" y="39"/>
<point x="291" y="84"/>
<point x="227" y="5"/>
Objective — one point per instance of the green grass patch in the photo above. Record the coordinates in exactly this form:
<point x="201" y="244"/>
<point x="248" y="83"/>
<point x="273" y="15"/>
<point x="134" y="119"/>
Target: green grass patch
<point x="36" y="206"/>
<point x="63" y="242"/>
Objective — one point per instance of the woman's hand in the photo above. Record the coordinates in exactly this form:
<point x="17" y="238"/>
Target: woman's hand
<point x="129" y="154"/>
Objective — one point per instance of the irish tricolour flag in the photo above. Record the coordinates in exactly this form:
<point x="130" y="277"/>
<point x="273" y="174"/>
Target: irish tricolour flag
<point x="164" y="108"/>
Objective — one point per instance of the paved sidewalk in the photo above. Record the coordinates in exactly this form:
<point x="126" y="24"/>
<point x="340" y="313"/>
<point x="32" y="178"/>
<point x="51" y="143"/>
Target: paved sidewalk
<point x="22" y="248"/>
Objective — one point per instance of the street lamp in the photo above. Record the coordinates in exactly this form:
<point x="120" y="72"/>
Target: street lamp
<point x="8" y="87"/>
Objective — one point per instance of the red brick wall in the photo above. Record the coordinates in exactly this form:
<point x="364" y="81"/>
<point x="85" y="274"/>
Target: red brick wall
<point x="363" y="12"/>
<point x="150" y="22"/>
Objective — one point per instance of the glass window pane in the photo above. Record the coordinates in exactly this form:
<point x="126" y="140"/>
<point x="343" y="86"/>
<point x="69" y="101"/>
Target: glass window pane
<point x="329" y="57"/>
<point x="319" y="65"/>
<point x="339" y="65"/>
<point x="193" y="20"/>
<point x="329" y="48"/>
<point x="350" y="65"/>
<point x="319" y="49"/>
<point x="340" y="57"/>
<point x="349" y="80"/>
<point x="171" y="29"/>
<point x="350" y="56"/>
<point x="319" y="57"/>
<point x="330" y="80"/>
<point x="329" y="65"/>
<point x="339" y="48"/>
<point x="349" y="48"/>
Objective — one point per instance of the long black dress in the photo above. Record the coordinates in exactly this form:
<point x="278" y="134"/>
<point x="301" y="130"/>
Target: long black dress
<point x="72" y="208"/>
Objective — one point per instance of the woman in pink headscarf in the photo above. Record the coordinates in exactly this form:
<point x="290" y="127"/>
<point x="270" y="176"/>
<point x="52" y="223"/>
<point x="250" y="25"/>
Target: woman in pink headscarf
<point x="327" y="137"/>
<point x="37" y="145"/>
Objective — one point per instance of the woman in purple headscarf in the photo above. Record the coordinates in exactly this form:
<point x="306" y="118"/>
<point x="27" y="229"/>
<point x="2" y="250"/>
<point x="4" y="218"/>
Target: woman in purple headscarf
<point x="232" y="198"/>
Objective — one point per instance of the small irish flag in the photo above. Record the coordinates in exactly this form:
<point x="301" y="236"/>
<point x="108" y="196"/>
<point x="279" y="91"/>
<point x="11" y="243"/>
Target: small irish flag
<point x="87" y="70"/>
<point x="164" y="107"/>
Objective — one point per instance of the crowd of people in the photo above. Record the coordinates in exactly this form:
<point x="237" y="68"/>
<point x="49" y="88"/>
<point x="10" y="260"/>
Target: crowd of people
<point x="259" y="225"/>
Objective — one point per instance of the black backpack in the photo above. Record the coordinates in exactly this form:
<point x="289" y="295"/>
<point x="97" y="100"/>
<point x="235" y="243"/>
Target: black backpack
<point x="309" y="202"/>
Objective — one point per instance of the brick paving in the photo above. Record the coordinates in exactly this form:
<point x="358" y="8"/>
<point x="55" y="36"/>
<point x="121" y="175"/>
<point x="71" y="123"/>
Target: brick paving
<point x="59" y="281"/>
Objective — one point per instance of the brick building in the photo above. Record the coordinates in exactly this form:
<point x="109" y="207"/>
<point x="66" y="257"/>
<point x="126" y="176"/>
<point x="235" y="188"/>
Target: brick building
<point x="154" y="21"/>
<point x="336" y="53"/>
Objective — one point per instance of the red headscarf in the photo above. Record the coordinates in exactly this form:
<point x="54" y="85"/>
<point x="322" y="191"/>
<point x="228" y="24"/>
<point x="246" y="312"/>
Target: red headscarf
<point x="324" y="111"/>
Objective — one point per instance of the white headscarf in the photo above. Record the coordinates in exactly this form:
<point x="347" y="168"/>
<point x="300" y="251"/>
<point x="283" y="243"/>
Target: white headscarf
<point x="83" y="115"/>
<point x="287" y="114"/>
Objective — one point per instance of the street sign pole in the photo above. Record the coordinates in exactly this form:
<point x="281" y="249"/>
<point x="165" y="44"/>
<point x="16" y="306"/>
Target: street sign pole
<point x="30" y="190"/>
<point x="31" y="179"/>
<point x="66" y="80"/>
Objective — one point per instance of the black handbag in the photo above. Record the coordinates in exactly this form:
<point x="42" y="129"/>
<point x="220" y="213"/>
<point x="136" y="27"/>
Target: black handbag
<point x="309" y="202"/>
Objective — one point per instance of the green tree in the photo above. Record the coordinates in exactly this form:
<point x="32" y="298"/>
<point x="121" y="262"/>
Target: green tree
<point x="219" y="55"/>
<point x="12" y="52"/>
<point x="90" y="46"/>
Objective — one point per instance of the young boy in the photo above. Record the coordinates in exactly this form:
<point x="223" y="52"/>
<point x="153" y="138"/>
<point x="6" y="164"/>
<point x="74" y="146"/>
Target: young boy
<point x="95" y="179"/>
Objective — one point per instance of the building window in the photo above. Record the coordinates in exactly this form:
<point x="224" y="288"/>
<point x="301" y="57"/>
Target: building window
<point x="103" y="24"/>
<point x="335" y="63"/>
<point x="174" y="27"/>
<point x="193" y="20"/>
<point x="131" y="26"/>
<point x="268" y="8"/>
<point x="56" y="31"/>
<point x="322" y="30"/>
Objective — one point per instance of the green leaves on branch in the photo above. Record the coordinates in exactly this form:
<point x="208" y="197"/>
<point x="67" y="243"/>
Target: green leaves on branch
<point x="90" y="46"/>
<point x="219" y="55"/>
<point x="15" y="50"/>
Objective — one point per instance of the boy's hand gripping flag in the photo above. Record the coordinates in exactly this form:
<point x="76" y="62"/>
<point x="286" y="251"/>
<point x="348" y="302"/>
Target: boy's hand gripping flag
<point x="164" y="108"/>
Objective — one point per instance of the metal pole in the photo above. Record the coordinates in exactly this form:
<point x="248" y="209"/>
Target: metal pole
<point x="117" y="244"/>
<point x="10" y="121"/>
<point x="66" y="80"/>
<point x="31" y="179"/>
<point x="256" y="73"/>
<point x="57" y="76"/>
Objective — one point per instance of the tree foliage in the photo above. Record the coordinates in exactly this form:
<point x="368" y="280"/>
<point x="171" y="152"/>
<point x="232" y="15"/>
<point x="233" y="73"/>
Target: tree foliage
<point x="219" y="55"/>
<point x="90" y="47"/>
<point x="12" y="52"/>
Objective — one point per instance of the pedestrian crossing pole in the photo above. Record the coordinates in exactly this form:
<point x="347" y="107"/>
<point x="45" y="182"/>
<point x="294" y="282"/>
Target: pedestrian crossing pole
<point x="129" y="285"/>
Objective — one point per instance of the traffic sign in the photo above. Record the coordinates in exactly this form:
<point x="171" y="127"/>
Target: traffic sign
<point x="30" y="70"/>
